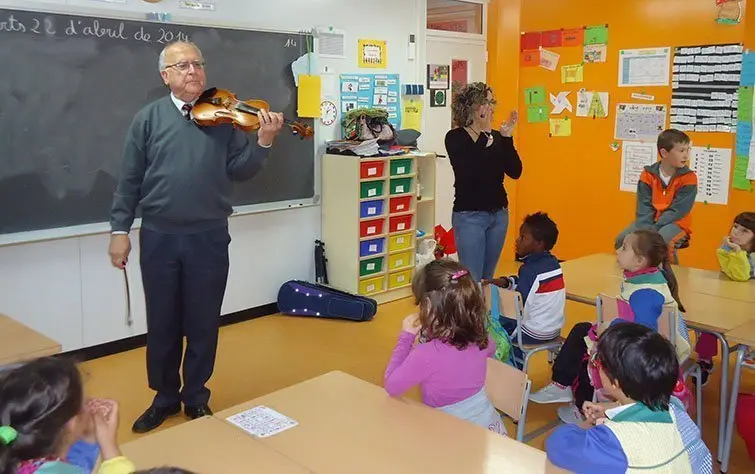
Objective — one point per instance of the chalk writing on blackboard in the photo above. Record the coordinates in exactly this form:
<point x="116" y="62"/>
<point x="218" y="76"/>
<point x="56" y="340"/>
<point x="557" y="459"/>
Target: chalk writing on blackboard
<point x="89" y="27"/>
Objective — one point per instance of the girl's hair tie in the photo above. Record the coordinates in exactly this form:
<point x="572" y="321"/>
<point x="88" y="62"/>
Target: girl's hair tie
<point x="459" y="274"/>
<point x="7" y="435"/>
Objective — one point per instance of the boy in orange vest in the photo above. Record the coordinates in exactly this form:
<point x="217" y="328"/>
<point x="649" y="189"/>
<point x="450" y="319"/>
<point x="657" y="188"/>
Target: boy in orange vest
<point x="666" y="193"/>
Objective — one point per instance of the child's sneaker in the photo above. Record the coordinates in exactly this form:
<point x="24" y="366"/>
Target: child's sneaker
<point x="552" y="393"/>
<point x="570" y="414"/>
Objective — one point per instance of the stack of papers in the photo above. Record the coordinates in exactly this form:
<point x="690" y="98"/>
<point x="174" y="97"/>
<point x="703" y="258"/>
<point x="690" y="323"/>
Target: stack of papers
<point x="353" y="147"/>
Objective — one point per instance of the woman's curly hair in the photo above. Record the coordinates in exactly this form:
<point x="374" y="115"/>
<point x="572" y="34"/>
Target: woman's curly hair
<point x="470" y="96"/>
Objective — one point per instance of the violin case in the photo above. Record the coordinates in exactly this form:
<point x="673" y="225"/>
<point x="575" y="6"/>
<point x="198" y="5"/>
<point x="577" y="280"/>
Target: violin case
<point x="302" y="298"/>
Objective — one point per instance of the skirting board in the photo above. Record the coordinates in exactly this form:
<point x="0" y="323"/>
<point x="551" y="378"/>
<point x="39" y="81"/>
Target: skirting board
<point x="123" y="345"/>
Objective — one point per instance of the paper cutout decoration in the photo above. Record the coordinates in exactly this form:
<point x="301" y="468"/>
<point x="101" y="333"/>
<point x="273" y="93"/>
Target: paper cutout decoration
<point x="529" y="41"/>
<point x="560" y="103"/>
<point x="560" y="127"/>
<point x="552" y="39"/>
<point x="534" y="95"/>
<point x="573" y="37"/>
<point x="372" y="53"/>
<point x="596" y="34"/>
<point x="530" y="58"/>
<point x="549" y="59"/>
<point x="537" y="113"/>
<point x="592" y="104"/>
<point x="594" y="53"/>
<point x="739" y="177"/>
<point x="572" y="73"/>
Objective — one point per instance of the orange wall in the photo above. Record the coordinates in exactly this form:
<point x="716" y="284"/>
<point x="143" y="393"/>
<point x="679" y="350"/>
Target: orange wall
<point x="576" y="179"/>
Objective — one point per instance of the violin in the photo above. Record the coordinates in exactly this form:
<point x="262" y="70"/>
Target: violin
<point x="216" y="106"/>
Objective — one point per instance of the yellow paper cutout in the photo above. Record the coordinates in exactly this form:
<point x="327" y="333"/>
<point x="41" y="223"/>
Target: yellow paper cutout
<point x="412" y="117"/>
<point x="560" y="127"/>
<point x="309" y="96"/>
<point x="572" y="73"/>
<point x="372" y="53"/>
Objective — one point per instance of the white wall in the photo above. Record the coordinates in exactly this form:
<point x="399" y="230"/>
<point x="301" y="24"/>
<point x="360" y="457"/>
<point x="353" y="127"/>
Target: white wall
<point x="67" y="289"/>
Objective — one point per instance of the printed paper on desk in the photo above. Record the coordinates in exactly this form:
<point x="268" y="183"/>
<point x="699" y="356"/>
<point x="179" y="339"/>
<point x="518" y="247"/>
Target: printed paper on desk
<point x="262" y="421"/>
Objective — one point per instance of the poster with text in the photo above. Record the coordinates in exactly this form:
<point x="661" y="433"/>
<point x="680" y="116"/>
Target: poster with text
<point x="642" y="122"/>
<point x="372" y="53"/>
<point x="381" y="91"/>
<point x="644" y="67"/>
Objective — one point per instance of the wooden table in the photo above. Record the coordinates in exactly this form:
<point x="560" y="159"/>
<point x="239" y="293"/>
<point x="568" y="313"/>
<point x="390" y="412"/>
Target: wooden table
<point x="19" y="343"/>
<point x="208" y="446"/>
<point x="743" y="335"/>
<point x="347" y="425"/>
<point x="691" y="280"/>
<point x="711" y="307"/>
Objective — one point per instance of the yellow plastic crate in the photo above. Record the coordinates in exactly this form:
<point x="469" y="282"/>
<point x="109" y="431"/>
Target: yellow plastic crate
<point x="401" y="278"/>
<point x="399" y="242"/>
<point x="372" y="285"/>
<point x="400" y="260"/>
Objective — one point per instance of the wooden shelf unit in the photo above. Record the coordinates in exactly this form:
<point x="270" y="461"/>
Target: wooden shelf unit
<point x="370" y="217"/>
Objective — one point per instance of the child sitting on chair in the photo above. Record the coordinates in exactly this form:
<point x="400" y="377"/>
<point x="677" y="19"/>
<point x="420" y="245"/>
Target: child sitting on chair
<point x="451" y="366"/>
<point x="540" y="282"/>
<point x="736" y="256"/>
<point x="649" y="284"/>
<point x="646" y="427"/>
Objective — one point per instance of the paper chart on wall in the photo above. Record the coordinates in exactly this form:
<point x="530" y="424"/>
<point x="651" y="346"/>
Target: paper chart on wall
<point x="594" y="53"/>
<point x="549" y="59"/>
<point x="592" y="104"/>
<point x="639" y="121"/>
<point x="635" y="156"/>
<point x="644" y="67"/>
<point x="381" y="91"/>
<point x="705" y="82"/>
<point x="712" y="167"/>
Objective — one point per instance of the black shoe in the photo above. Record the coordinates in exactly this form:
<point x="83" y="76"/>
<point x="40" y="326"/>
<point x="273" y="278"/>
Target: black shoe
<point x="154" y="417"/>
<point x="197" y="411"/>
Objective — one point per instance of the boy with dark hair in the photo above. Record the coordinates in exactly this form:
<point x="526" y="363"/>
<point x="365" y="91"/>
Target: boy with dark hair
<point x="646" y="427"/>
<point x="540" y="282"/>
<point x="666" y="193"/>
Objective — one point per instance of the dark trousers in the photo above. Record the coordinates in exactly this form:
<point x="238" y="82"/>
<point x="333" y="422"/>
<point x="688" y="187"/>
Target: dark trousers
<point x="184" y="277"/>
<point x="510" y="325"/>
<point x="570" y="367"/>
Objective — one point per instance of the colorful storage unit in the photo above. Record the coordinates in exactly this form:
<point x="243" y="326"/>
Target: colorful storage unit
<point x="370" y="213"/>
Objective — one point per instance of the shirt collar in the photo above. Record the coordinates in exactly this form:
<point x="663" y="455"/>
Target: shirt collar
<point x="638" y="412"/>
<point x="178" y="102"/>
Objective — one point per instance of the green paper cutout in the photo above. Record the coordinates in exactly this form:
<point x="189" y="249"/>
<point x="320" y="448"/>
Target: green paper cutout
<point x="596" y="34"/>
<point x="537" y="114"/>
<point x="534" y="95"/>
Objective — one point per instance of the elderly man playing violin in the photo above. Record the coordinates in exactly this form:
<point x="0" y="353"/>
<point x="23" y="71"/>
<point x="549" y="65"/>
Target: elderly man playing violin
<point x="181" y="174"/>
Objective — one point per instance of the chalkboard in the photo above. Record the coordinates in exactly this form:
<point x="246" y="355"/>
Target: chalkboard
<point x="71" y="84"/>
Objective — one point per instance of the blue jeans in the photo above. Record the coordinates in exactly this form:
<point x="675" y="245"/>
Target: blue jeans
<point x="479" y="238"/>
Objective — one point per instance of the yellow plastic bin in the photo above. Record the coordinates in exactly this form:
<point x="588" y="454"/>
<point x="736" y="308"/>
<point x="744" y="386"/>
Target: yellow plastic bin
<point x="401" y="278"/>
<point x="372" y="285"/>
<point x="399" y="242"/>
<point x="400" y="260"/>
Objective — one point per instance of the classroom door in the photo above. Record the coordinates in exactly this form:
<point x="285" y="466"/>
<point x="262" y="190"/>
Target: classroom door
<point x="466" y="58"/>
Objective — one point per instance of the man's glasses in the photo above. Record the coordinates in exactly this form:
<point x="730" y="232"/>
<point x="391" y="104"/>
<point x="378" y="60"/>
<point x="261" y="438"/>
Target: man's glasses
<point x="184" y="66"/>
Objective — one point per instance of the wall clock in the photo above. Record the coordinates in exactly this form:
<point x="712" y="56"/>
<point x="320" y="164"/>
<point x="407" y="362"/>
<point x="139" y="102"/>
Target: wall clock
<point x="328" y="112"/>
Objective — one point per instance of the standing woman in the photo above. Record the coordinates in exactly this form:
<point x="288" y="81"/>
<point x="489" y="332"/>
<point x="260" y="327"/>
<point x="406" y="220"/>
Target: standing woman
<point x="481" y="158"/>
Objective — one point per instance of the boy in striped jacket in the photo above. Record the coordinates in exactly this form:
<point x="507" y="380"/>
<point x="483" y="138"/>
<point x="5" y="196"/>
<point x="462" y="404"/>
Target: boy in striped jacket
<point x="540" y="282"/>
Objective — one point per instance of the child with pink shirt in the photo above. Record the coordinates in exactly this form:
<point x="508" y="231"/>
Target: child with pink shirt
<point x="450" y="366"/>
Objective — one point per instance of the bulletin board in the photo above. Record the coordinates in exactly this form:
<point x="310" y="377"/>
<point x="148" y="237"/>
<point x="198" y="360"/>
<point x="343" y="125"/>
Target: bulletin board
<point x="571" y="63"/>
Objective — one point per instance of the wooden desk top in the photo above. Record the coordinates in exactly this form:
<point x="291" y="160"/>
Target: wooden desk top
<point x="744" y="334"/>
<point x="584" y="280"/>
<point x="347" y="425"/>
<point x="208" y="446"/>
<point x="690" y="279"/>
<point x="19" y="343"/>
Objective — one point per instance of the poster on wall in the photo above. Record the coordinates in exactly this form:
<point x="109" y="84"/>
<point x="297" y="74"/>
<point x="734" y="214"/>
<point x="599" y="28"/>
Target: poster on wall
<point x="712" y="167"/>
<point x="438" y="98"/>
<point x="644" y="67"/>
<point x="438" y="76"/>
<point x="642" y="122"/>
<point x="705" y="85"/>
<point x="635" y="156"/>
<point x="381" y="91"/>
<point x="372" y="53"/>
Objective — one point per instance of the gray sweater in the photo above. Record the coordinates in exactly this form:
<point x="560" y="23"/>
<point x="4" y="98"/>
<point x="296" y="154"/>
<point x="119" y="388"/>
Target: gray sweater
<point x="179" y="173"/>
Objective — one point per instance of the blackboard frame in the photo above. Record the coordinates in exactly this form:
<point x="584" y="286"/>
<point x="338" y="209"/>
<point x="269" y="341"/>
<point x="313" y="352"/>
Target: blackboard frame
<point x="113" y="14"/>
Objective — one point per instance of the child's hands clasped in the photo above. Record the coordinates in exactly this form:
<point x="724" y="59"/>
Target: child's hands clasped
<point x="106" y="418"/>
<point x="411" y="324"/>
<point x="734" y="247"/>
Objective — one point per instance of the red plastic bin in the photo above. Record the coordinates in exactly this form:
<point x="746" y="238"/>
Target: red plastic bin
<point x="400" y="204"/>
<point x="372" y="227"/>
<point x="400" y="223"/>
<point x="371" y="169"/>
